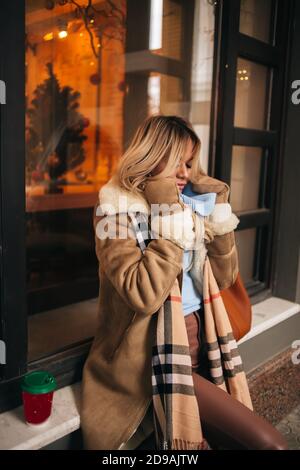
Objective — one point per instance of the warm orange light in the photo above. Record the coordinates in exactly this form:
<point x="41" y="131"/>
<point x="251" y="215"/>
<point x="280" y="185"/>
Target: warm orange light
<point x="48" y="37"/>
<point x="62" y="34"/>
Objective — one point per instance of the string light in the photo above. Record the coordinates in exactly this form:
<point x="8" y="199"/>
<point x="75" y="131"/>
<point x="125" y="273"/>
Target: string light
<point x="62" y="29"/>
<point x="62" y="34"/>
<point x="243" y="75"/>
<point x="48" y="37"/>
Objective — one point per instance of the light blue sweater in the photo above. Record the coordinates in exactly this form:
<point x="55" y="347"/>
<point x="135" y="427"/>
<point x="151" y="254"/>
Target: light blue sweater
<point x="203" y="205"/>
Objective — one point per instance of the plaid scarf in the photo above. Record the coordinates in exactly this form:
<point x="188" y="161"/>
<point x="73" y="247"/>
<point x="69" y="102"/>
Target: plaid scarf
<point x="177" y="421"/>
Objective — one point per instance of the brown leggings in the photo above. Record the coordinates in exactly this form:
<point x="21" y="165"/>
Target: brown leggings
<point x="225" y="421"/>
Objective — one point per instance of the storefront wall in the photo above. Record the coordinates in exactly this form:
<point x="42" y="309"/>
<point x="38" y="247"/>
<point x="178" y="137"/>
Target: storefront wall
<point x="75" y="93"/>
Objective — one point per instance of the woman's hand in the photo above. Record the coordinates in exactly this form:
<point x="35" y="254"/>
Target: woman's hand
<point x="207" y="184"/>
<point x="162" y="191"/>
<point x="174" y="221"/>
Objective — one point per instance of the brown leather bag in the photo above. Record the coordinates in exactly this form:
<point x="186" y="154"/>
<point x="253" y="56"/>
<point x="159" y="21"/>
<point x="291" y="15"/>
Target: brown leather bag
<point x="238" y="307"/>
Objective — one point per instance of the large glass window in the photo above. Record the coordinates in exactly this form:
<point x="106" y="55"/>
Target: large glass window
<point x="94" y="71"/>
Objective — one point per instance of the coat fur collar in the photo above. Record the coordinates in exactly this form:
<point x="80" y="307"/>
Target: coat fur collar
<point x="115" y="199"/>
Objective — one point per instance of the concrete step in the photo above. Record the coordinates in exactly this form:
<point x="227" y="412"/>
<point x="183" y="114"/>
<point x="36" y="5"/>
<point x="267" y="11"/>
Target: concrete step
<point x="275" y="327"/>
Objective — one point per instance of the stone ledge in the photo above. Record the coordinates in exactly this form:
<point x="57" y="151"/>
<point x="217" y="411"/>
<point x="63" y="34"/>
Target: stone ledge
<point x="15" y="434"/>
<point x="269" y="313"/>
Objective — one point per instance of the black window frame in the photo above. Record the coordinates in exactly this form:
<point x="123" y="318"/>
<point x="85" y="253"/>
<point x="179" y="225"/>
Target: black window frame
<point x="230" y="44"/>
<point x="12" y="210"/>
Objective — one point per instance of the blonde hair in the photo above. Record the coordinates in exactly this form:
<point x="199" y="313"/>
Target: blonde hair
<point x="156" y="138"/>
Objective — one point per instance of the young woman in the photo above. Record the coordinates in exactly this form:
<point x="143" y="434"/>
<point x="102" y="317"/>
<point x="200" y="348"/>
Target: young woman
<point x="161" y="166"/>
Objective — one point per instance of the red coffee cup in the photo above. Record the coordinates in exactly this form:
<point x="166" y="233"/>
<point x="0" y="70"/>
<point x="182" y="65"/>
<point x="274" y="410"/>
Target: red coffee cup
<point x="37" y="392"/>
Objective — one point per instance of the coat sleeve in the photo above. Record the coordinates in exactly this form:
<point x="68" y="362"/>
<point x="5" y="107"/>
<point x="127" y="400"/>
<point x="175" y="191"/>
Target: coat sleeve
<point x="142" y="279"/>
<point x="221" y="246"/>
<point x="223" y="257"/>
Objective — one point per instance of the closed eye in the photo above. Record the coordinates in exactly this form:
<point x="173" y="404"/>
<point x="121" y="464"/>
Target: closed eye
<point x="188" y="165"/>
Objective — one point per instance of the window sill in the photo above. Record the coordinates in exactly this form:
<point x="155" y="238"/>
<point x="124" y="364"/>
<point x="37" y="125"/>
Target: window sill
<point x="72" y="324"/>
<point x="15" y="434"/>
<point x="269" y="313"/>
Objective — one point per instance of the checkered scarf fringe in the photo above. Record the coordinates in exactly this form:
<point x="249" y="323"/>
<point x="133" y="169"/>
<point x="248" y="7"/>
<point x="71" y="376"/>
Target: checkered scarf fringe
<point x="176" y="415"/>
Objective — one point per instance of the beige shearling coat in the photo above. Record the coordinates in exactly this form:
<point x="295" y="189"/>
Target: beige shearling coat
<point x="116" y="385"/>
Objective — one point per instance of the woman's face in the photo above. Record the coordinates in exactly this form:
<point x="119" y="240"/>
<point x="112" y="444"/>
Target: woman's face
<point x="183" y="170"/>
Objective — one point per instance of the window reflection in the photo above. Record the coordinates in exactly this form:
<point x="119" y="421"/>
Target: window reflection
<point x="255" y="18"/>
<point x="90" y="81"/>
<point x="252" y="91"/>
<point x="245" y="177"/>
<point x="165" y="95"/>
<point x="167" y="27"/>
<point x="74" y="91"/>
<point x="245" y="241"/>
<point x="156" y="24"/>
